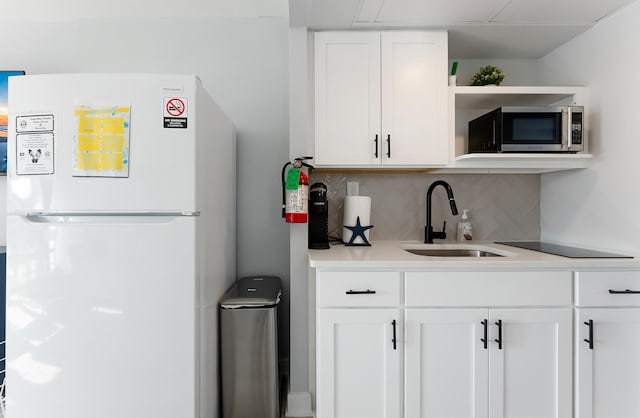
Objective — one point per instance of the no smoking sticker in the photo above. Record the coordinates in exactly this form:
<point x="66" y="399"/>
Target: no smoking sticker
<point x="175" y="112"/>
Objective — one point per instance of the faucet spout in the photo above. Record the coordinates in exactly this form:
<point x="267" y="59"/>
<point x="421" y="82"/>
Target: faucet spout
<point x="429" y="233"/>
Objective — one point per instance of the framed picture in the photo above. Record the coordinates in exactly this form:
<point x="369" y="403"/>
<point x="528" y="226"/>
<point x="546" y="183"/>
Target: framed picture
<point x="4" y="116"/>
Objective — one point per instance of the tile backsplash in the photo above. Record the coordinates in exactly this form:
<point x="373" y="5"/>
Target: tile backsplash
<point x="502" y="207"/>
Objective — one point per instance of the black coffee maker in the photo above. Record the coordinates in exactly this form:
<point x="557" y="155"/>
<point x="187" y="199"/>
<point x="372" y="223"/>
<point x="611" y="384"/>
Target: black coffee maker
<point x="318" y="217"/>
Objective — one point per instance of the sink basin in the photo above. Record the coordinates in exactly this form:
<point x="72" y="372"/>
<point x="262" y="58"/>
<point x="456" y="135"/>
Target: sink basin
<point x="455" y="250"/>
<point x="442" y="252"/>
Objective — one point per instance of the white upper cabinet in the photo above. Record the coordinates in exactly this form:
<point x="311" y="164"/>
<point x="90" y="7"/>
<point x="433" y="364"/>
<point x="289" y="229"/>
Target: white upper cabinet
<point x="414" y="97"/>
<point x="347" y="98"/>
<point x="381" y="99"/>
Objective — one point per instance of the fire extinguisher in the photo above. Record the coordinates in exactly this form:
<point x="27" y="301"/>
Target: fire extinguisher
<point x="295" y="191"/>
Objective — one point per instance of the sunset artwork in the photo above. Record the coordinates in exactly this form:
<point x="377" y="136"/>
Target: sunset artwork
<point x="3" y="122"/>
<point x="4" y="116"/>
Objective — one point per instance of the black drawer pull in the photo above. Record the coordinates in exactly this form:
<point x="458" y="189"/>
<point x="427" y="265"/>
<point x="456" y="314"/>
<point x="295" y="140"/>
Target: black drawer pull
<point x="590" y="339"/>
<point x="376" y="150"/>
<point x="484" y="333"/>
<point x="394" y="340"/>
<point x="499" y="339"/>
<point x="624" y="292"/>
<point x="360" y="292"/>
<point x="388" y="146"/>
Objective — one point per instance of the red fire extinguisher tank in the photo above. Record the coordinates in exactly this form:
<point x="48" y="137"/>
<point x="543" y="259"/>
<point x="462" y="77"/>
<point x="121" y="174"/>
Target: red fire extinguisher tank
<point x="297" y="201"/>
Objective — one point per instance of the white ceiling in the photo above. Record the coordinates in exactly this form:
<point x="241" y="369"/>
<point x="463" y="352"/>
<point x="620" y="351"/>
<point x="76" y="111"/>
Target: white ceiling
<point x="71" y="10"/>
<point x="477" y="28"/>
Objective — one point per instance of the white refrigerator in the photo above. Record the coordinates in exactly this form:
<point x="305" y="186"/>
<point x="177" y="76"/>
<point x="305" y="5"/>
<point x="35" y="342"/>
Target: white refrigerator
<point x="120" y="242"/>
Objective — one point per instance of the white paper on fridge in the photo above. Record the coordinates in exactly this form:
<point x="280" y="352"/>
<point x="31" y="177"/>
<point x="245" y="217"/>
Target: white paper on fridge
<point x="34" y="153"/>
<point x="101" y="142"/>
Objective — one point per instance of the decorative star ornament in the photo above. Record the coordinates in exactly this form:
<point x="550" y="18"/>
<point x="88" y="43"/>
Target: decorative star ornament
<point x="358" y="231"/>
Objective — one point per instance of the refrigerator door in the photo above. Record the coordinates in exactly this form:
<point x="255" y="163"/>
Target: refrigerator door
<point x="101" y="317"/>
<point x="162" y="158"/>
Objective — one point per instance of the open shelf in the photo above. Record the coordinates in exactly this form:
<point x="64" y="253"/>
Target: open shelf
<point x="491" y="97"/>
<point x="468" y="102"/>
<point x="519" y="163"/>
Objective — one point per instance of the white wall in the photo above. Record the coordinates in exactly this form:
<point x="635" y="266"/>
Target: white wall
<point x="300" y="120"/>
<point x="242" y="62"/>
<point x="599" y="206"/>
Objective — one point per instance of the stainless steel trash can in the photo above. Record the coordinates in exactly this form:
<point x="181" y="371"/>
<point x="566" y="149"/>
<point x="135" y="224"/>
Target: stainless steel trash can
<point x="249" y="348"/>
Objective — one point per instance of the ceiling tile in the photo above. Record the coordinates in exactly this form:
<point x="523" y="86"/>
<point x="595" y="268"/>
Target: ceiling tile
<point x="421" y="12"/>
<point x="332" y="14"/>
<point x="369" y="10"/>
<point x="548" y="11"/>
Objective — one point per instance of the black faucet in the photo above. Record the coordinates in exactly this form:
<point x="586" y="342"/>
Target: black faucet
<point x="429" y="233"/>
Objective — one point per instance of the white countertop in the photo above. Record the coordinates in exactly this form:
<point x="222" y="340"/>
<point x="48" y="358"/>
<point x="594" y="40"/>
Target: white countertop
<point x="390" y="255"/>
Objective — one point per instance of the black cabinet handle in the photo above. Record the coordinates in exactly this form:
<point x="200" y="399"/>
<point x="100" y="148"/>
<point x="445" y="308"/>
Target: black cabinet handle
<point x="590" y="340"/>
<point x="376" y="141"/>
<point x="624" y="292"/>
<point x="393" y="340"/>
<point x="485" y="324"/>
<point x="360" y="292"/>
<point x="499" y="339"/>
<point x="388" y="146"/>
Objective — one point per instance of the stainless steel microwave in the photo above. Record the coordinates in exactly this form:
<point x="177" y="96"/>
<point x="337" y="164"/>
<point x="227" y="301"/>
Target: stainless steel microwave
<point x="528" y="129"/>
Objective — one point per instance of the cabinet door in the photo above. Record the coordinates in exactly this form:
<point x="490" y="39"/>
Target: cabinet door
<point x="608" y="375"/>
<point x="414" y="98"/>
<point x="445" y="363"/>
<point x="530" y="375"/>
<point x="358" y="365"/>
<point x="347" y="98"/>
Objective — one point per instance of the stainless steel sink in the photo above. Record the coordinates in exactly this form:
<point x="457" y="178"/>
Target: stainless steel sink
<point x="453" y="252"/>
<point x="456" y="250"/>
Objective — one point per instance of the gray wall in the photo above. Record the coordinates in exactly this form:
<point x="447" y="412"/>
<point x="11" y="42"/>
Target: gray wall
<point x="501" y="207"/>
<point x="242" y="62"/>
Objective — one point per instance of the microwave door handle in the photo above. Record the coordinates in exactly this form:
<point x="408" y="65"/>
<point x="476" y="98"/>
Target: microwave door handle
<point x="566" y="125"/>
<point x="494" y="134"/>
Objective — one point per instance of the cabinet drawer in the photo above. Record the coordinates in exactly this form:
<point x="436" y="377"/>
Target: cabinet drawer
<point x="608" y="288"/>
<point x="531" y="288"/>
<point x="358" y="288"/>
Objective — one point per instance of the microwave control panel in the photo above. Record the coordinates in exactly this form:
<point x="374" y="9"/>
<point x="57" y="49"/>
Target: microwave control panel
<point x="576" y="128"/>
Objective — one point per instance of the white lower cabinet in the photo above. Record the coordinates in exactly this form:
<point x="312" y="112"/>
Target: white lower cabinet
<point x="446" y="367"/>
<point x="608" y="344"/>
<point x="531" y="375"/>
<point x="608" y="375"/>
<point x="480" y="363"/>
<point x="478" y="344"/>
<point x="359" y="363"/>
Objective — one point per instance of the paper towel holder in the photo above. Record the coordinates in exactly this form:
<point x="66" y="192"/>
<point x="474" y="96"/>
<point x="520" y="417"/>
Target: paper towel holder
<point x="358" y="230"/>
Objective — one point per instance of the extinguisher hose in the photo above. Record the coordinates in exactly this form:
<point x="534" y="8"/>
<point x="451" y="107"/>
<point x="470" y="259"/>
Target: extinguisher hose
<point x="284" y="169"/>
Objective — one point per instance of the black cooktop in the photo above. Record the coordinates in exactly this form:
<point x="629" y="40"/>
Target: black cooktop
<point x="561" y="250"/>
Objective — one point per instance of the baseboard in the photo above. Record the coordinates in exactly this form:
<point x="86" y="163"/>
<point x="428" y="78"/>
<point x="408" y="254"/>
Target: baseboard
<point x="299" y="404"/>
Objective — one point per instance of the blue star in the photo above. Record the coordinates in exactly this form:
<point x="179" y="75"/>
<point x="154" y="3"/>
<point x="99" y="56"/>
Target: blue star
<point x="358" y="231"/>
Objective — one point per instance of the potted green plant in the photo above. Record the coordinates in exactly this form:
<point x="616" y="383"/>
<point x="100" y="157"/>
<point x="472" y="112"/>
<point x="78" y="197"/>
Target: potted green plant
<point x="487" y="75"/>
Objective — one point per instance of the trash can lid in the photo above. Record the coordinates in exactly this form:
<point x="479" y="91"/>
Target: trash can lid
<point x="253" y="292"/>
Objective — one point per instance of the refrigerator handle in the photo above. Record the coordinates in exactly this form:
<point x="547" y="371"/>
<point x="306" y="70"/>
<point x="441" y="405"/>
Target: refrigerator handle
<point x="92" y="217"/>
<point x="105" y="213"/>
